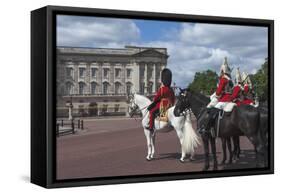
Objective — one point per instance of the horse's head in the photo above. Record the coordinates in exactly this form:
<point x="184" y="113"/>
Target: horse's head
<point x="183" y="103"/>
<point x="133" y="107"/>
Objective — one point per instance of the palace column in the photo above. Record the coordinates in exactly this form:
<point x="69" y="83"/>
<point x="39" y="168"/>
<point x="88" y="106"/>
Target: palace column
<point x="145" y="78"/>
<point x="154" y="79"/>
<point x="135" y="77"/>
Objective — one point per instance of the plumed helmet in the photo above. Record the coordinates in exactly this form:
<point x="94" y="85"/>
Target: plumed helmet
<point x="225" y="68"/>
<point x="238" y="77"/>
<point x="249" y="82"/>
<point x="166" y="77"/>
<point x="246" y="79"/>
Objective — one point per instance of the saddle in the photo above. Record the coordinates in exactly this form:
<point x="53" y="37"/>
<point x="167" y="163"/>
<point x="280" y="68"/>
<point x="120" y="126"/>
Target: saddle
<point x="164" y="106"/>
<point x="162" y="117"/>
<point x="218" y="115"/>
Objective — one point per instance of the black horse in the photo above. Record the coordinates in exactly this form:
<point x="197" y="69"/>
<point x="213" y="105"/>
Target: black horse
<point x="243" y="120"/>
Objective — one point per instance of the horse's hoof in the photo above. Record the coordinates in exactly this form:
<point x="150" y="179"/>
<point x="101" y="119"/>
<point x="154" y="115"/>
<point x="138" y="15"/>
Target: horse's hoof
<point x="191" y="158"/>
<point x="182" y="160"/>
<point x="205" y="168"/>
<point x="148" y="158"/>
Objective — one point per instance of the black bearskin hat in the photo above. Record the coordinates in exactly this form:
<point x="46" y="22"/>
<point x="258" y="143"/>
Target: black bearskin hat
<point x="166" y="77"/>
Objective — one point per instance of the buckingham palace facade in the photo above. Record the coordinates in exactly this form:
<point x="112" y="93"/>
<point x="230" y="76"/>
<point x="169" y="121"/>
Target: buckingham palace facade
<point x="97" y="80"/>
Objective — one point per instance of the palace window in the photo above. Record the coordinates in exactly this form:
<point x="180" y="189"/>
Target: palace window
<point x="117" y="73"/>
<point x="94" y="72"/>
<point x="93" y="88"/>
<point x="117" y="88"/>
<point x="82" y="71"/>
<point x="81" y="88"/>
<point x="69" y="88"/>
<point x="105" y="88"/>
<point x="105" y="72"/>
<point x="69" y="72"/>
<point x="129" y="73"/>
<point x="129" y="88"/>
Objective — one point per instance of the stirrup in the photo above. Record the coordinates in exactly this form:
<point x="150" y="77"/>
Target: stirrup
<point x="201" y="131"/>
<point x="148" y="128"/>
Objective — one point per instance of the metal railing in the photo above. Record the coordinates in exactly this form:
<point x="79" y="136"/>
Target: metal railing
<point x="68" y="126"/>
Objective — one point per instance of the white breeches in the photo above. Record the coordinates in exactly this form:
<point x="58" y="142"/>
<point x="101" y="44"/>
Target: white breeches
<point x="215" y="102"/>
<point x="221" y="105"/>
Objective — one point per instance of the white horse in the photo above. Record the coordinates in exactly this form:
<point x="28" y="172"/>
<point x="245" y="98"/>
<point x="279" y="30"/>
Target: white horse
<point x="183" y="126"/>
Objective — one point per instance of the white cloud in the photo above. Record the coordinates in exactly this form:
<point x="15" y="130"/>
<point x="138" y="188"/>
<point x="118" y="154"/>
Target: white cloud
<point x="95" y="32"/>
<point x="199" y="47"/>
<point x="192" y="47"/>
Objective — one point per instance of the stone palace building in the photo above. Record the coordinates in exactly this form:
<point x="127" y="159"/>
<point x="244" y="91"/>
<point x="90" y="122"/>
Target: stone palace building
<point x="97" y="80"/>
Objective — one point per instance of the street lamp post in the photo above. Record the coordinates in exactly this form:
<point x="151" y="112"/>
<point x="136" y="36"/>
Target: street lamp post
<point x="70" y="108"/>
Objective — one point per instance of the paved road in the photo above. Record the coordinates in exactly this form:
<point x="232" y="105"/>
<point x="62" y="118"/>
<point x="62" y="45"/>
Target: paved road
<point x="118" y="147"/>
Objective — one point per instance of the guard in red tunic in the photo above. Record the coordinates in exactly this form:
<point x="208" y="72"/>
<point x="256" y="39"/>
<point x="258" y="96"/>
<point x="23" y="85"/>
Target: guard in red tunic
<point x="164" y="99"/>
<point x="222" y="96"/>
<point x="247" y="93"/>
<point x="236" y="96"/>
<point x="223" y="91"/>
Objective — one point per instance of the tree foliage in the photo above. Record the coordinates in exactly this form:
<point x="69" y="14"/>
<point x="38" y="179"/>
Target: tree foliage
<point x="260" y="82"/>
<point x="204" y="82"/>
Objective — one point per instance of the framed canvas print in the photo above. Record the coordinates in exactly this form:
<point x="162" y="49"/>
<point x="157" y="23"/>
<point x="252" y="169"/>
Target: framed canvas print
<point x="126" y="96"/>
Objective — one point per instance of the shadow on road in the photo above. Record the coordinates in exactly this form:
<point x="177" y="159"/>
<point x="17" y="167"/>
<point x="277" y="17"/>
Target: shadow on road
<point x="199" y="158"/>
<point x="169" y="156"/>
<point x="246" y="160"/>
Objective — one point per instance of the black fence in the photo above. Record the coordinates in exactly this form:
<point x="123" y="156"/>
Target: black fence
<point x="68" y="126"/>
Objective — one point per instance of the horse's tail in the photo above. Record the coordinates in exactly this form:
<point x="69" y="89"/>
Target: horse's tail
<point x="190" y="138"/>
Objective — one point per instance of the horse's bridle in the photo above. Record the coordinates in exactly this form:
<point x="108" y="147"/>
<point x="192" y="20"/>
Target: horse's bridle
<point x="187" y="109"/>
<point x="134" y="107"/>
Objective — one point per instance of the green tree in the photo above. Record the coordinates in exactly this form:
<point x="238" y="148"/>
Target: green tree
<point x="204" y="82"/>
<point x="260" y="82"/>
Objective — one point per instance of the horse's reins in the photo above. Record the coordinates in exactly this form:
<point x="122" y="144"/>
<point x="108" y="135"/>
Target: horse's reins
<point x="134" y="111"/>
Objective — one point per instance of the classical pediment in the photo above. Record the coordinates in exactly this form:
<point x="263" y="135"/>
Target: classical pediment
<point x="150" y="53"/>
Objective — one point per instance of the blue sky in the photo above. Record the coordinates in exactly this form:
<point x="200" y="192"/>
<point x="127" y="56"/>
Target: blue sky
<point x="155" y="30"/>
<point x="192" y="47"/>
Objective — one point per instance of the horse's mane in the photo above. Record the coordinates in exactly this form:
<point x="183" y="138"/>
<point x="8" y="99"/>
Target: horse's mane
<point x="143" y="98"/>
<point x="197" y="101"/>
<point x="199" y="97"/>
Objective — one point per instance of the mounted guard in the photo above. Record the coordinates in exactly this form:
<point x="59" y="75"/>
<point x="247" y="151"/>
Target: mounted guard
<point x="223" y="92"/>
<point x="223" y="95"/>
<point x="248" y="94"/>
<point x="238" y="89"/>
<point x="164" y="99"/>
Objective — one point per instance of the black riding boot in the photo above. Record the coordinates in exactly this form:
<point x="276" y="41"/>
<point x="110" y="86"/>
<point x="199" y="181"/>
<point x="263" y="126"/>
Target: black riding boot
<point x="209" y="123"/>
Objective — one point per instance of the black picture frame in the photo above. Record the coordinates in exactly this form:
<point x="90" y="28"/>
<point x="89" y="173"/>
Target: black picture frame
<point x="43" y="95"/>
